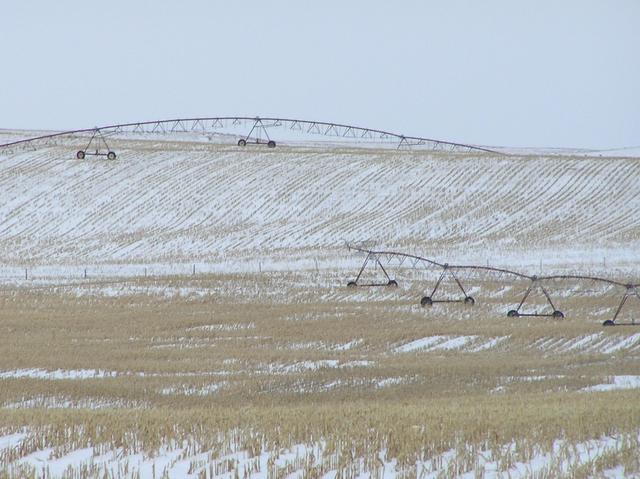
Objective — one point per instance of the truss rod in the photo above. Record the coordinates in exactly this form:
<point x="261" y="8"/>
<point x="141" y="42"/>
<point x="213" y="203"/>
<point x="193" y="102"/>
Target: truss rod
<point x="536" y="282"/>
<point x="178" y="125"/>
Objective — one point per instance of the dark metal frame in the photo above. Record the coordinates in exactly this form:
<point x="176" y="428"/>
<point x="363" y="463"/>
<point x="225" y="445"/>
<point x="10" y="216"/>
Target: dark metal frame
<point x="371" y="256"/>
<point x="100" y="139"/>
<point x="212" y="125"/>
<point x="631" y="290"/>
<point x="446" y="270"/>
<point x="258" y="126"/>
<point x="536" y="283"/>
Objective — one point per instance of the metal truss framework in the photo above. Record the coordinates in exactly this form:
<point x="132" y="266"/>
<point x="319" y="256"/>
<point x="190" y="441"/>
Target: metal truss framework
<point x="98" y="141"/>
<point x="255" y="128"/>
<point x="536" y="283"/>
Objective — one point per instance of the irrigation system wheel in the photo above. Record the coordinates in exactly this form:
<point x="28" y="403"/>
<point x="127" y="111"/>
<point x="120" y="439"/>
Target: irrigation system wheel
<point x="469" y="300"/>
<point x="608" y="322"/>
<point x="392" y="283"/>
<point x="558" y="314"/>
<point x="513" y="314"/>
<point x="111" y="155"/>
<point x="271" y="144"/>
<point x="426" y="301"/>
<point x="242" y="142"/>
<point x="351" y="284"/>
<point x="80" y="155"/>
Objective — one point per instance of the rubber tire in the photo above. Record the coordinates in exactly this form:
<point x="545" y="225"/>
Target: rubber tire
<point x="513" y="314"/>
<point x="242" y="142"/>
<point x="80" y="155"/>
<point x="558" y="314"/>
<point x="271" y="144"/>
<point x="111" y="155"/>
<point x="426" y="301"/>
<point x="608" y="322"/>
<point x="352" y="284"/>
<point x="392" y="283"/>
<point x="469" y="300"/>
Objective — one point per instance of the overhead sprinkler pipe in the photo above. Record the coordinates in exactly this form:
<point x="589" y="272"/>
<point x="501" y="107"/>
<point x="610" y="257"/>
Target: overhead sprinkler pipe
<point x="537" y="283"/>
<point x="260" y="125"/>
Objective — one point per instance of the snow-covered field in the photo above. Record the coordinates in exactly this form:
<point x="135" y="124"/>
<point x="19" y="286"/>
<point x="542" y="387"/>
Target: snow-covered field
<point x="223" y="208"/>
<point x="187" y="293"/>
<point x="177" y="461"/>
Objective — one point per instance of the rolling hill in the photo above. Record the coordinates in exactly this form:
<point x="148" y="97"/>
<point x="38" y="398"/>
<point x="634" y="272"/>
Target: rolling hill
<point x="162" y="202"/>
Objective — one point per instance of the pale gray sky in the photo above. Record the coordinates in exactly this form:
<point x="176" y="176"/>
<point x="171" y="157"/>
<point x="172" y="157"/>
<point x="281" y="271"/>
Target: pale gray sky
<point x="501" y="72"/>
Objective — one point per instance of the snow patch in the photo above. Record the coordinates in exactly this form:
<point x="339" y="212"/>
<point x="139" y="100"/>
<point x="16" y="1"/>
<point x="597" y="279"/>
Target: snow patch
<point x="193" y="390"/>
<point x="419" y="344"/>
<point x="57" y="374"/>
<point x="489" y="344"/>
<point x="471" y="343"/>
<point x="223" y="327"/>
<point x="617" y="382"/>
<point x="453" y="343"/>
<point x="347" y="346"/>
<point x="625" y="343"/>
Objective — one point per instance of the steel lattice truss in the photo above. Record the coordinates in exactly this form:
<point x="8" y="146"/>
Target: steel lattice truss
<point x="238" y="130"/>
<point x="452" y="272"/>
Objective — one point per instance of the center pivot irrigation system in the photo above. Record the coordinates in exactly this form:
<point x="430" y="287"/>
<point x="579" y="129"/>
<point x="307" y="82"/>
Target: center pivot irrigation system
<point x="237" y="130"/>
<point x="536" y="283"/>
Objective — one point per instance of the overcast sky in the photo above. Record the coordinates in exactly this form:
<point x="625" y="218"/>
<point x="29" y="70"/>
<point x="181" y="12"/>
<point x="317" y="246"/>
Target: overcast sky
<point x="517" y="73"/>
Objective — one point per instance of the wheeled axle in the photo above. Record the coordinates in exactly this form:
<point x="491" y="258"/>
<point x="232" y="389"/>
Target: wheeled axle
<point x="517" y="314"/>
<point x="428" y="301"/>
<point x="244" y="142"/>
<point x="111" y="155"/>
<point x="392" y="283"/>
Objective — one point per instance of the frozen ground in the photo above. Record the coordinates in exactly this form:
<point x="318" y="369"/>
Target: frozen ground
<point x="130" y="242"/>
<point x="617" y="382"/>
<point x="179" y="461"/>
<point x="163" y="208"/>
